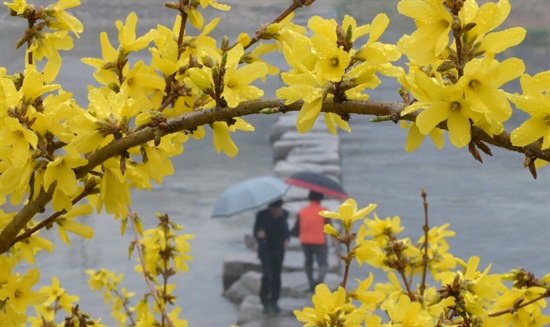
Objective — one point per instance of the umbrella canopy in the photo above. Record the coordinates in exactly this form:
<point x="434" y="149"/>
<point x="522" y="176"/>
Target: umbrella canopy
<point x="249" y="194"/>
<point x="318" y="183"/>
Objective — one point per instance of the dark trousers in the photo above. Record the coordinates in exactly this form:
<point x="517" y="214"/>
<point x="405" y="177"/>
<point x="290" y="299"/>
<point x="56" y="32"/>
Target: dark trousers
<point x="320" y="252"/>
<point x="272" y="265"/>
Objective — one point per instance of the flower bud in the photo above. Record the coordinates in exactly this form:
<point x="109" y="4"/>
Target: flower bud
<point x="271" y="31"/>
<point x="172" y="5"/>
<point x="330" y="230"/>
<point x="469" y="26"/>
<point x="225" y="43"/>
<point x="209" y="61"/>
<point x="243" y="39"/>
<point x="224" y="60"/>
<point x="201" y="80"/>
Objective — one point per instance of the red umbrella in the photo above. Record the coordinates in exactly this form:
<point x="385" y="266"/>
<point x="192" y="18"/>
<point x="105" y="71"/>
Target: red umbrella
<point x="318" y="183"/>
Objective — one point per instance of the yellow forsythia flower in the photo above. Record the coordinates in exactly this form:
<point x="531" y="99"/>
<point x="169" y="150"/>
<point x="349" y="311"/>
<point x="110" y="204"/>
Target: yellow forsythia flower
<point x="348" y="213"/>
<point x="431" y="38"/>
<point x="535" y="100"/>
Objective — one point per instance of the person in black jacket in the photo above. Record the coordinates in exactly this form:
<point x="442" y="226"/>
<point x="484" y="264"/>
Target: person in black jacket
<point x="272" y="233"/>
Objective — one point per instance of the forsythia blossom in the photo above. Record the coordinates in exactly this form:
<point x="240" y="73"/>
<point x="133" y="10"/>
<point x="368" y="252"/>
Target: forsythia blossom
<point x="324" y="67"/>
<point x="535" y="100"/>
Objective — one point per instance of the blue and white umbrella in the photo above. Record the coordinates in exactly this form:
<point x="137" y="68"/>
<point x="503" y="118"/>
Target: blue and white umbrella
<point x="249" y="194"/>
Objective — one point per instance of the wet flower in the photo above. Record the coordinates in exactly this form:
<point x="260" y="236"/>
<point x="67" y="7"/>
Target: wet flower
<point x="64" y="20"/>
<point x="433" y="22"/>
<point x="367" y="250"/>
<point x="382" y="230"/>
<point x="408" y="313"/>
<point x="58" y="295"/>
<point x="333" y="60"/>
<point x="348" y="213"/>
<point x="415" y="138"/>
<point x="436" y="237"/>
<point x="482" y="81"/>
<point x="535" y="100"/>
<point x="258" y="51"/>
<point x="442" y="103"/>
<point x="369" y="299"/>
<point x="329" y="308"/>
<point x="127" y="35"/>
<point x="18" y="6"/>
<point x="486" y="18"/>
<point x="60" y="171"/>
<point x="222" y="138"/>
<point x="215" y="4"/>
<point x="67" y="223"/>
<point x="19" y="292"/>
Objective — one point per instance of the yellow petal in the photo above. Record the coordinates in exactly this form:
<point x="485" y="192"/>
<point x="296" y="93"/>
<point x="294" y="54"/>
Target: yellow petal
<point x="250" y="73"/>
<point x="459" y="129"/>
<point x="499" y="41"/>
<point x="222" y="139"/>
<point x="72" y="226"/>
<point x="308" y="115"/>
<point x="414" y="138"/>
<point x="434" y="114"/>
<point x="528" y="132"/>
<point x="378" y="26"/>
<point x="196" y="19"/>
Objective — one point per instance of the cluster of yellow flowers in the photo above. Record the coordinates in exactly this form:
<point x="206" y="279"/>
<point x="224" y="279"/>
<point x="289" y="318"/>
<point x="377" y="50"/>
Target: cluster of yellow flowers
<point x="465" y="297"/>
<point x="162" y="255"/>
<point x="458" y="81"/>
<point x="326" y="66"/>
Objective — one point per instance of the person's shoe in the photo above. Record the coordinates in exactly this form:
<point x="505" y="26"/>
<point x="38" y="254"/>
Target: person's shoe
<point x="266" y="309"/>
<point x="275" y="307"/>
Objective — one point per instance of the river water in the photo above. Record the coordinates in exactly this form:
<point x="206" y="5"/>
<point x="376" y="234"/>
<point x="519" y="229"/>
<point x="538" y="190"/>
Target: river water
<point x="496" y="208"/>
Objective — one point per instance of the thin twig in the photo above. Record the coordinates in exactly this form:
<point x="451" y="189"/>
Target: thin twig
<point x="48" y="221"/>
<point x="523" y="304"/>
<point x="259" y="33"/>
<point x="168" y="101"/>
<point x="126" y="308"/>
<point x="410" y="293"/>
<point x="347" y="260"/>
<point x="183" y="4"/>
<point x="165" y="262"/>
<point x="426" y="229"/>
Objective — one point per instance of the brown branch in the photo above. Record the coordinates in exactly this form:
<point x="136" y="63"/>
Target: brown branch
<point x="190" y="121"/>
<point x="21" y="219"/>
<point x="48" y="221"/>
<point x="259" y="33"/>
<point x="181" y="32"/>
<point x="520" y="305"/>
<point x="410" y="293"/>
<point x="425" y="257"/>
<point x="347" y="260"/>
<point x="125" y="306"/>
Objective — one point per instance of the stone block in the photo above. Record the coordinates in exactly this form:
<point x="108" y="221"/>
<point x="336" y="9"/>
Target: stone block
<point x="284" y="169"/>
<point x="282" y="148"/>
<point x="328" y="158"/>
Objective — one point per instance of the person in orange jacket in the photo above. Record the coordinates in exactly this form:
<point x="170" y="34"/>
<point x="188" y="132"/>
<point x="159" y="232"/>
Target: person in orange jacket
<point x="309" y="227"/>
